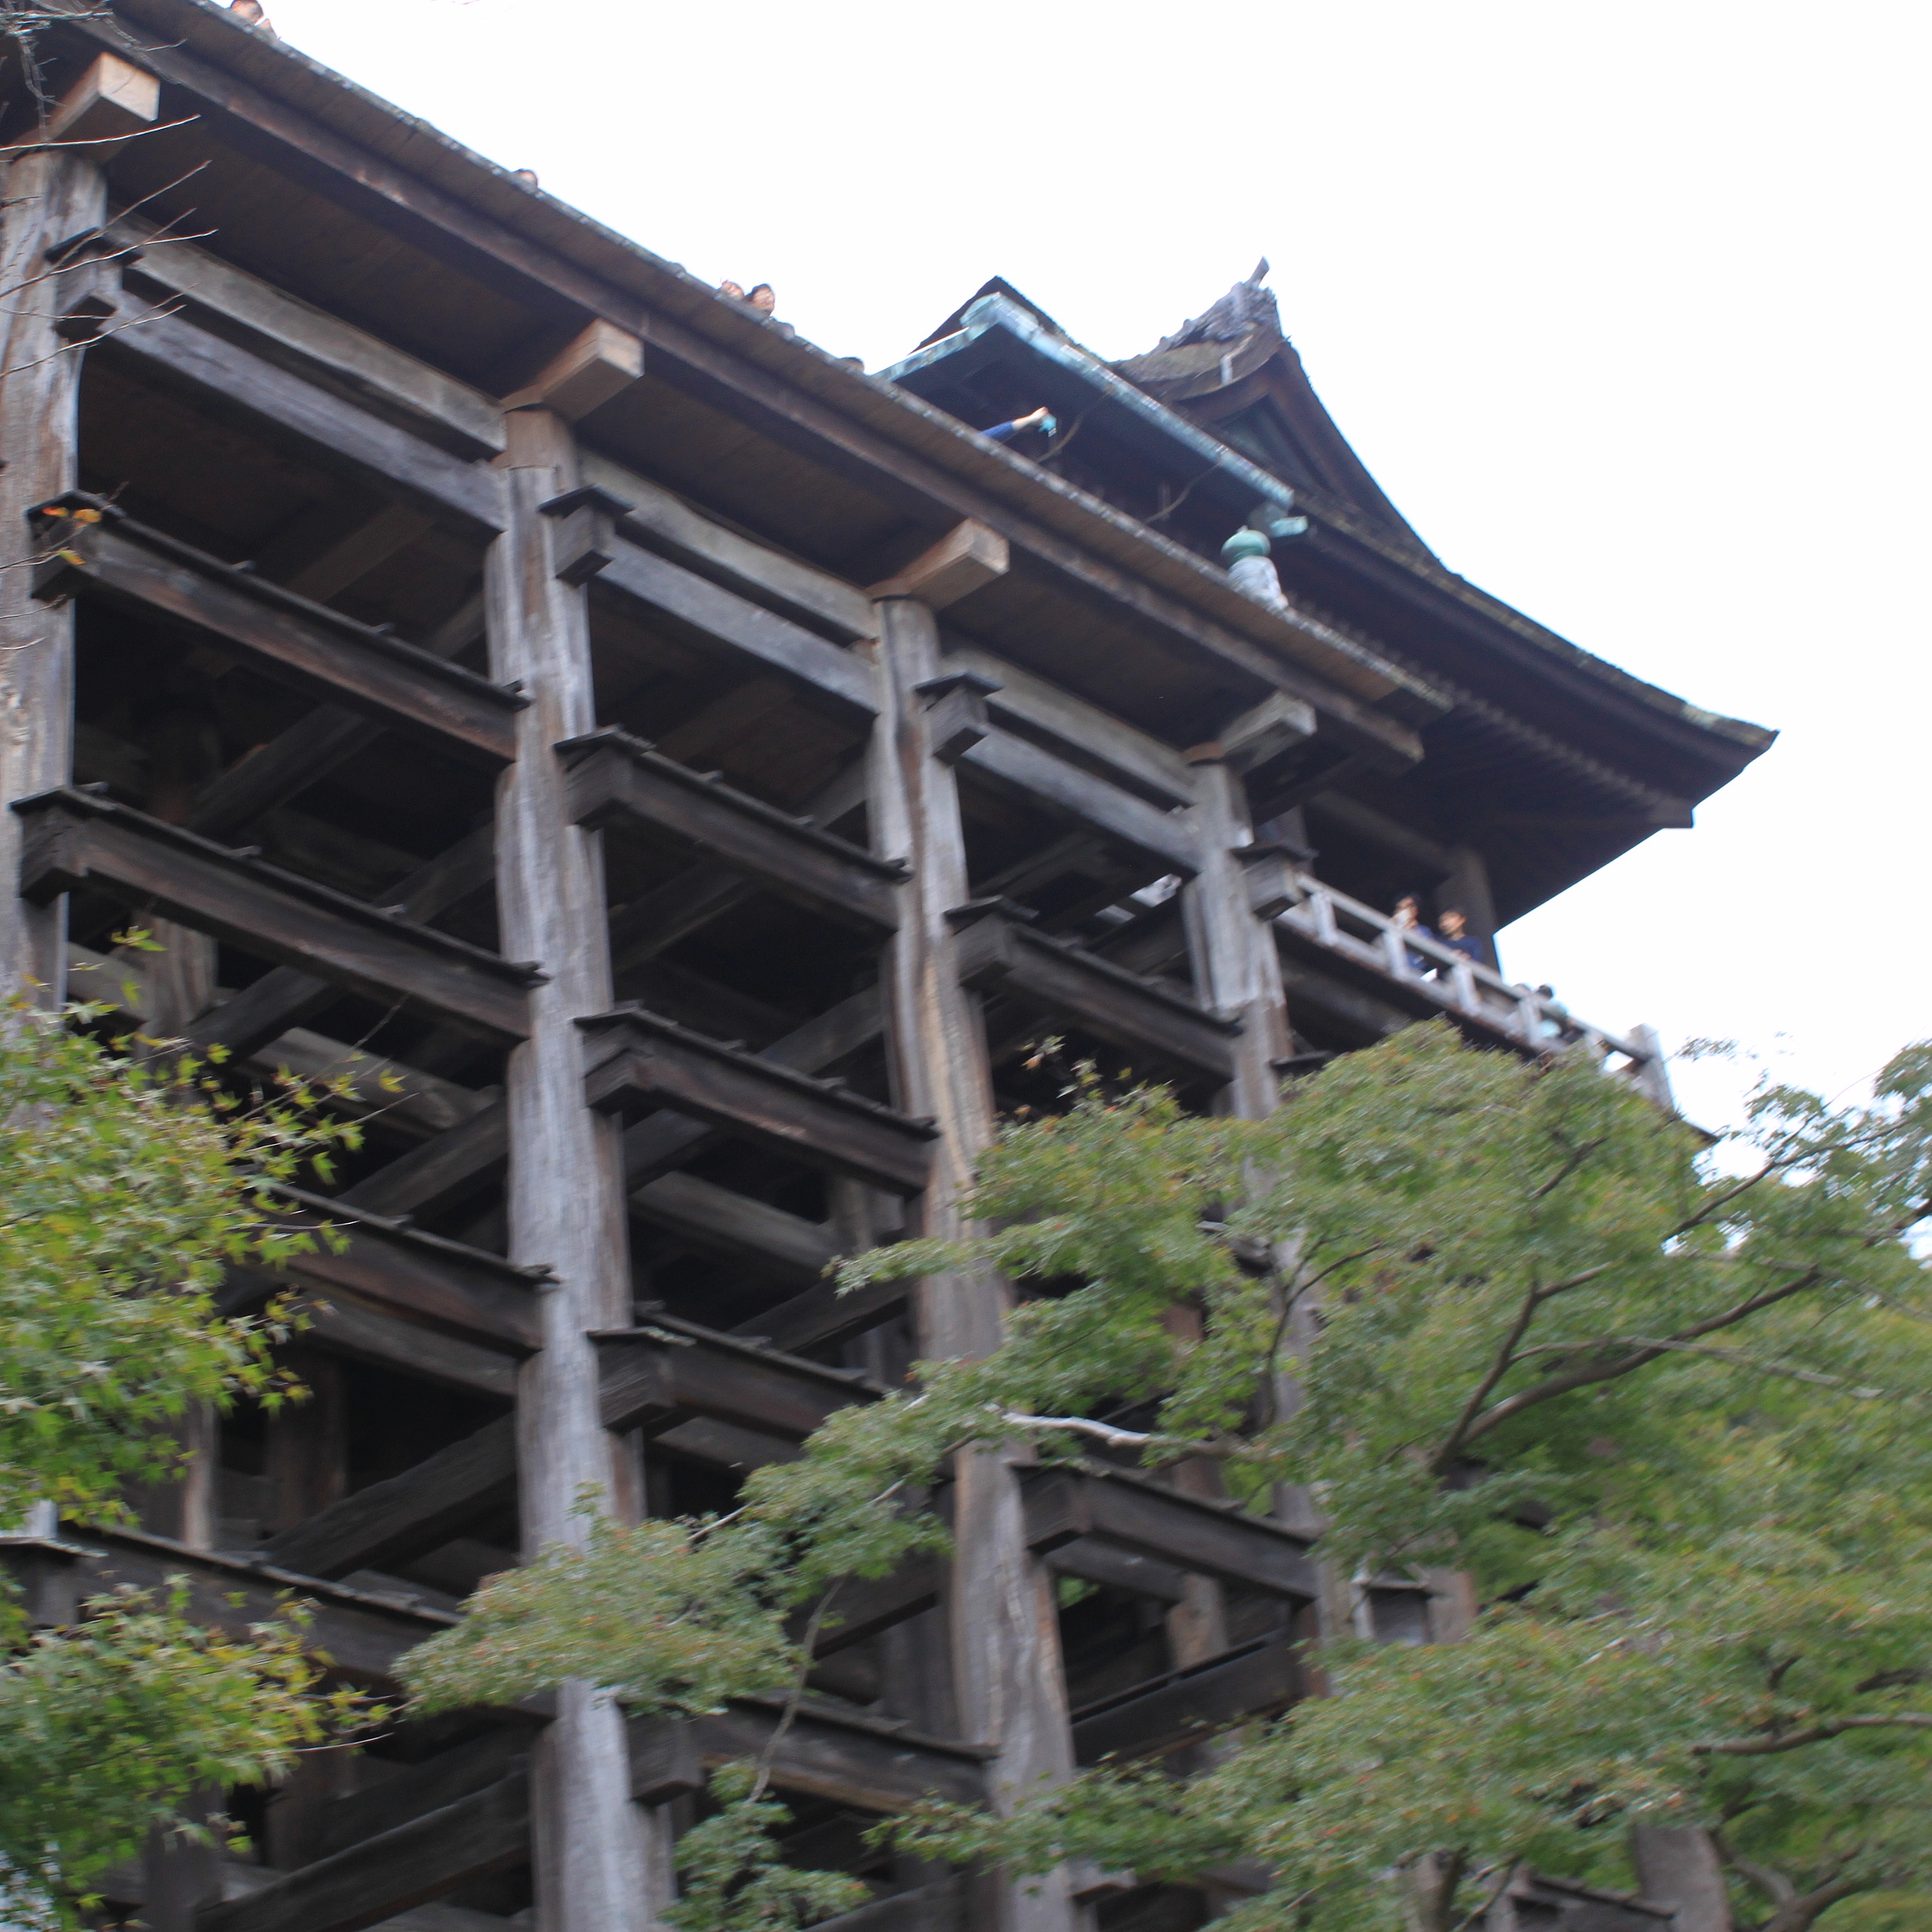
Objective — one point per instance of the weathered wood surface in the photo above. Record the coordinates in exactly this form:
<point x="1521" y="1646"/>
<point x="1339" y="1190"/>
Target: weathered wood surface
<point x="418" y="1511"/>
<point x="418" y="1789"/>
<point x="637" y="1062"/>
<point x="290" y="638"/>
<point x="669" y="1369"/>
<point x="998" y="951"/>
<point x="51" y="195"/>
<point x="1187" y="1706"/>
<point x="824" y="1314"/>
<point x="1019" y="768"/>
<point x="1033" y="704"/>
<point x="1007" y="1683"/>
<point x="1124" y="1512"/>
<point x="826" y="1753"/>
<point x="661" y="520"/>
<point x="364" y="1633"/>
<point x="619" y="781"/>
<point x="321" y="348"/>
<point x="343" y="1325"/>
<point x="464" y="1157"/>
<point x="75" y="839"/>
<point x="597" y="1869"/>
<point x="488" y="1832"/>
<point x="446" y="1286"/>
<point x="721" y="1222"/>
<point x="760" y="639"/>
<point x="232" y="384"/>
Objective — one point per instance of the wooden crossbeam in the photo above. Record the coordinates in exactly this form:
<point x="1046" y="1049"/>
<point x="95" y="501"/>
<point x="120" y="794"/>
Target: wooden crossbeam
<point x="999" y="951"/>
<point x="638" y="1062"/>
<point x="1188" y="1706"/>
<point x="76" y="841"/>
<point x="1018" y="768"/>
<point x="721" y="1221"/>
<point x="419" y="1789"/>
<point x="441" y="1285"/>
<point x="757" y="637"/>
<point x="298" y="642"/>
<point x="459" y="1160"/>
<point x="1125" y="1512"/>
<point x="363" y="1633"/>
<point x="342" y="1325"/>
<point x="660" y="1374"/>
<point x="418" y="1511"/>
<point x="234" y="384"/>
<point x="488" y="1832"/>
<point x="824" y="1753"/>
<point x="616" y="780"/>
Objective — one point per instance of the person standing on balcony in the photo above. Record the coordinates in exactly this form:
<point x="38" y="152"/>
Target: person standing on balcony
<point x="1452" y="928"/>
<point x="1407" y="917"/>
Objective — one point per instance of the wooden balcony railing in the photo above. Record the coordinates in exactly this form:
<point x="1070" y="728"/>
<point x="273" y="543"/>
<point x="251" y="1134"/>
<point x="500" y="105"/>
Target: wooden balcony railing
<point x="1420" y="974"/>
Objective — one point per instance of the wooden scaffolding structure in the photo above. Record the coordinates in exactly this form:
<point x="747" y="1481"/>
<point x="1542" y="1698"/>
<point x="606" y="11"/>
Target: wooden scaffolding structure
<point x="679" y="777"/>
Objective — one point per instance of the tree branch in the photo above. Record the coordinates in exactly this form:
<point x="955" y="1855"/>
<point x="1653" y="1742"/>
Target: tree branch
<point x="1817" y="1734"/>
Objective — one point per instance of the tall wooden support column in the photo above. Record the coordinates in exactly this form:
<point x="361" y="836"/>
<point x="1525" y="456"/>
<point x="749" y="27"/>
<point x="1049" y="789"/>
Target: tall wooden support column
<point x="1237" y="970"/>
<point x="1008" y="1683"/>
<point x="600" y="1860"/>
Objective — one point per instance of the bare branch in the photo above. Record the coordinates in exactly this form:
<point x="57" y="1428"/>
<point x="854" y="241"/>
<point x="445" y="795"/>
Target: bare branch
<point x="1816" y="1734"/>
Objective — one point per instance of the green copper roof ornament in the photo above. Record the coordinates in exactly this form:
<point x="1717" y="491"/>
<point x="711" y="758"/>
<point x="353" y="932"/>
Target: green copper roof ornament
<point x="1244" y="544"/>
<point x="1250" y="569"/>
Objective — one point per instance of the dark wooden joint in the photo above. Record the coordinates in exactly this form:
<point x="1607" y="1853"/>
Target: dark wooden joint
<point x="956" y="717"/>
<point x="587" y="536"/>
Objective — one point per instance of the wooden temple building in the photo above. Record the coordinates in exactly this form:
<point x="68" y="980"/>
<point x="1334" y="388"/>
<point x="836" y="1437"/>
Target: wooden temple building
<point x="680" y="776"/>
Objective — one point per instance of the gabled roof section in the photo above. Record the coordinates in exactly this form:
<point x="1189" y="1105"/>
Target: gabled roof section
<point x="1233" y="370"/>
<point x="997" y="286"/>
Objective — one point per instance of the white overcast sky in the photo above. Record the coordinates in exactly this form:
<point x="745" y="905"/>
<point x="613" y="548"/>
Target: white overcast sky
<point x="1625" y="306"/>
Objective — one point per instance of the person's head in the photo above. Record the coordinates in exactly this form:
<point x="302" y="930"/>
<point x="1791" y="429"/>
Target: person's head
<point x="250" y="11"/>
<point x="763" y="299"/>
<point x="732" y="289"/>
<point x="1452" y="925"/>
<point x="528" y="176"/>
<point x="1407" y="912"/>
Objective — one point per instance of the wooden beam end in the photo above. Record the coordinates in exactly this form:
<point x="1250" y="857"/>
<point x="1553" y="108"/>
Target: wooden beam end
<point x="112" y="101"/>
<point x="969" y="556"/>
<point x="599" y="364"/>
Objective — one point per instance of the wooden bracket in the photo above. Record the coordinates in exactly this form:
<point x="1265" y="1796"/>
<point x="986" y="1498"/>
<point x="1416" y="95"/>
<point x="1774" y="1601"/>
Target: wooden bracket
<point x="956" y="714"/>
<point x="585" y="374"/>
<point x="586" y="537"/>
<point x="111" y="102"/>
<point x="1270" y="868"/>
<point x="969" y="555"/>
<point x="1276" y="725"/>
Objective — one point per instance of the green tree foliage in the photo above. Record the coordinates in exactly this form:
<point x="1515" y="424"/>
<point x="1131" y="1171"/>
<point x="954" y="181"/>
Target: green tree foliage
<point x="129" y="1183"/>
<point x="1667" y="1405"/>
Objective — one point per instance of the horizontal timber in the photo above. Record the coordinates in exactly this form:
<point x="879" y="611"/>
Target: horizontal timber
<point x="416" y="1512"/>
<point x="719" y="1221"/>
<point x="638" y="1063"/>
<point x="287" y="638"/>
<point x="669" y="1370"/>
<point x="618" y="781"/>
<point x="825" y="1753"/>
<point x="1186" y="1706"/>
<point x="1128" y="1513"/>
<point x="362" y="1633"/>
<point x="170" y="351"/>
<point x="443" y="1284"/>
<point x="760" y="639"/>
<point x="1018" y="767"/>
<point x="76" y="841"/>
<point x="998" y="951"/>
<point x="488" y="1832"/>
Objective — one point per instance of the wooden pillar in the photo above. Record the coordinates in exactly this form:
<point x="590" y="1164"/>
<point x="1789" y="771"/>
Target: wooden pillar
<point x="1008" y="1687"/>
<point x="1237" y="970"/>
<point x="1468" y="885"/>
<point x="600" y="1864"/>
<point x="1677" y="1866"/>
